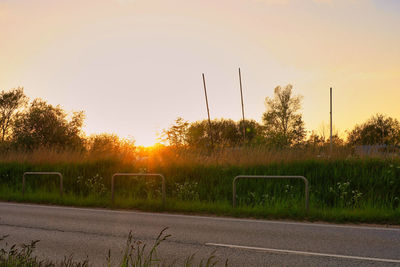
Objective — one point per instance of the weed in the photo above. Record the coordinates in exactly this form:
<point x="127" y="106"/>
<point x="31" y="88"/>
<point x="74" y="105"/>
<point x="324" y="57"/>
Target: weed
<point x="187" y="191"/>
<point x="15" y="256"/>
<point x="93" y="185"/>
<point x="136" y="254"/>
<point x="346" y="197"/>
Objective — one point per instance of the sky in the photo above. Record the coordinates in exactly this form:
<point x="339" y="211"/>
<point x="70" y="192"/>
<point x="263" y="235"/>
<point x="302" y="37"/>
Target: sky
<point x="134" y="66"/>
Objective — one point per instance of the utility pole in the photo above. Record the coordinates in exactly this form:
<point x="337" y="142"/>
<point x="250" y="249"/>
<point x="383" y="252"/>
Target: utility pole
<point x="241" y="95"/>
<point x="208" y="112"/>
<point x="331" y="120"/>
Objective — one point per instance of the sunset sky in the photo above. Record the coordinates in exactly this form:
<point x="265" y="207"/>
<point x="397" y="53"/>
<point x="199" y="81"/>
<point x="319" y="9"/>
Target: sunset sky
<point x="134" y="66"/>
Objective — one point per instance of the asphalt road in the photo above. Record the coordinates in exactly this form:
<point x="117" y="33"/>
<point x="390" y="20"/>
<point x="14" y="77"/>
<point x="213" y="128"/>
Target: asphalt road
<point x="91" y="232"/>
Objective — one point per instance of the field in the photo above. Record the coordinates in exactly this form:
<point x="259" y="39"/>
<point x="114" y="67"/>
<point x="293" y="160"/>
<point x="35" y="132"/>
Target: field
<point x="343" y="188"/>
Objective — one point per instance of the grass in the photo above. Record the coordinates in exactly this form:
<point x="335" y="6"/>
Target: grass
<point x="342" y="188"/>
<point x="135" y="254"/>
<point x="281" y="210"/>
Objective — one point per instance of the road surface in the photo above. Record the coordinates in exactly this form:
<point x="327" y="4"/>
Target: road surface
<point x="244" y="242"/>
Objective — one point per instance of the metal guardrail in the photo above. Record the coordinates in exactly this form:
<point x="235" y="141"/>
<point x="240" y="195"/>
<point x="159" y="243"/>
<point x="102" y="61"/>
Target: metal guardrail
<point x="138" y="174"/>
<point x="269" y="177"/>
<point x="42" y="173"/>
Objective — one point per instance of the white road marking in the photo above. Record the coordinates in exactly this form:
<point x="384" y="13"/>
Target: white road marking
<point x="303" y="253"/>
<point x="205" y="217"/>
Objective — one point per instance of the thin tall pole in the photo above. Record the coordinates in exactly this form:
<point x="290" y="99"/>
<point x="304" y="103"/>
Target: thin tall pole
<point x="208" y="111"/>
<point x="241" y="95"/>
<point x="331" y="119"/>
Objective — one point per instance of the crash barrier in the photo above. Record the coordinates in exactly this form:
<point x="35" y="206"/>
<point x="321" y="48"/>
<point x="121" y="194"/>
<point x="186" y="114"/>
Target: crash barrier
<point x="269" y="177"/>
<point x="42" y="173"/>
<point x="136" y="175"/>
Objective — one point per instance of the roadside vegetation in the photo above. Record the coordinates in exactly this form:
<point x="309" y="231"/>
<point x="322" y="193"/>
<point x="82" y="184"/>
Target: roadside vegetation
<point x="351" y="189"/>
<point x="135" y="254"/>
<point x="357" y="181"/>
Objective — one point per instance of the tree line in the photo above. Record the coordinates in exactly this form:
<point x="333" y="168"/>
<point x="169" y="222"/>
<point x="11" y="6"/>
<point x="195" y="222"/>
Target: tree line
<point x="36" y="125"/>
<point x="28" y="125"/>
<point x="282" y="127"/>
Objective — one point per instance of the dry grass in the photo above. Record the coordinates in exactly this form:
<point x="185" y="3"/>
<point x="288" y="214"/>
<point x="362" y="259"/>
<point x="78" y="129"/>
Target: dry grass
<point x="52" y="156"/>
<point x="159" y="156"/>
<point x="43" y="156"/>
<point x="244" y="156"/>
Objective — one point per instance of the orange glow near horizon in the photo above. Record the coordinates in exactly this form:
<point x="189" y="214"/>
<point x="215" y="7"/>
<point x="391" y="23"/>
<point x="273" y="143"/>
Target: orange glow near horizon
<point x="134" y="66"/>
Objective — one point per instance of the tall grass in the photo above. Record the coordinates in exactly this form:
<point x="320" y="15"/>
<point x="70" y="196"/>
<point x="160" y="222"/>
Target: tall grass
<point x="341" y="181"/>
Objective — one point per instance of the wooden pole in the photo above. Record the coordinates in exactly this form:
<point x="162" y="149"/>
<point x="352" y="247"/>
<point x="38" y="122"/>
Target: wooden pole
<point x="241" y="95"/>
<point x="331" y="119"/>
<point x="208" y="112"/>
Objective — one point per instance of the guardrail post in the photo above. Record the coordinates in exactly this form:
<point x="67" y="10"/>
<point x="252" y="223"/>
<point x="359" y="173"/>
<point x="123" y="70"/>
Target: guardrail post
<point x="306" y="191"/>
<point x="139" y="174"/>
<point x="42" y="173"/>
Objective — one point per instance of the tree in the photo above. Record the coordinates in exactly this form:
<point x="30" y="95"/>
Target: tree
<point x="44" y="125"/>
<point x="254" y="132"/>
<point x="321" y="137"/>
<point x="319" y="140"/>
<point x="103" y="143"/>
<point x="378" y="130"/>
<point x="225" y="133"/>
<point x="176" y="135"/>
<point x="198" y="134"/>
<point x="10" y="103"/>
<point x="284" y="125"/>
<point x="110" y="144"/>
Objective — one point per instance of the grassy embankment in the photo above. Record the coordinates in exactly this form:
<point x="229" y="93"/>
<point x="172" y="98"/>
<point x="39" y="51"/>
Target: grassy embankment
<point x="342" y="188"/>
